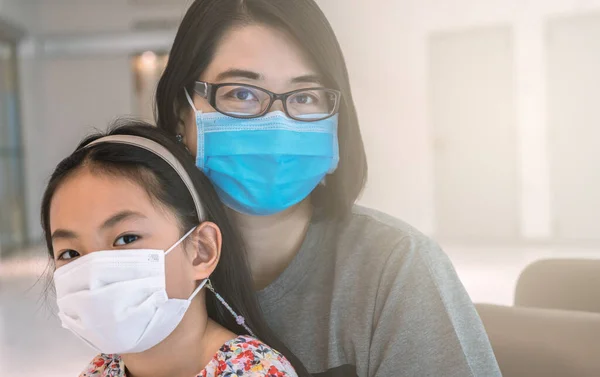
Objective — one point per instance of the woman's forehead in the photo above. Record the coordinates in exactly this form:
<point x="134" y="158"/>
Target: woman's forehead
<point x="272" y="55"/>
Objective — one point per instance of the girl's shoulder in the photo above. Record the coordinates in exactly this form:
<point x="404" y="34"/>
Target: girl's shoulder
<point x="248" y="357"/>
<point x="243" y="356"/>
<point x="105" y="366"/>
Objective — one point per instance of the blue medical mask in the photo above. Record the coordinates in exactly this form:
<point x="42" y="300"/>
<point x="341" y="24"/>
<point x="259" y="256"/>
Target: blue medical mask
<point x="262" y="166"/>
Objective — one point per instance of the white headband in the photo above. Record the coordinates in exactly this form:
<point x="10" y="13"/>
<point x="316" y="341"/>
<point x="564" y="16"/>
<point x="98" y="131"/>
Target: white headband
<point x="161" y="152"/>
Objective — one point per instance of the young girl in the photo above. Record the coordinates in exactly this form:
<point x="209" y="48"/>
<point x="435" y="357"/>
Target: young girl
<point x="139" y="236"/>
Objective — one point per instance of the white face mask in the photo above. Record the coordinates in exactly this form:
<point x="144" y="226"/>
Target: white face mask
<point x="116" y="300"/>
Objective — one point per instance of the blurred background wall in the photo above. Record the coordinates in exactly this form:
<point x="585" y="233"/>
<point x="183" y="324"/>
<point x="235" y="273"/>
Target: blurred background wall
<point x="479" y="116"/>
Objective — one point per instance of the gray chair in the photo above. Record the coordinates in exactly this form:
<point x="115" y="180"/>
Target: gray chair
<point x="531" y="342"/>
<point x="568" y="284"/>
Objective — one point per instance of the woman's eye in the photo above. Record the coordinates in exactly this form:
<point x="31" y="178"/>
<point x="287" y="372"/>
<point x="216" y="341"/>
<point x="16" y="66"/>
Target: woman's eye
<point x="305" y="99"/>
<point x="126" y="240"/>
<point x="68" y="255"/>
<point x="242" y="95"/>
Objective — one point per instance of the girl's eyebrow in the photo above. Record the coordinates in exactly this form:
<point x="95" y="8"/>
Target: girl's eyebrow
<point x="119" y="217"/>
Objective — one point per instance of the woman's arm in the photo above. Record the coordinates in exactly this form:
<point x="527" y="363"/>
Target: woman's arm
<point x="424" y="322"/>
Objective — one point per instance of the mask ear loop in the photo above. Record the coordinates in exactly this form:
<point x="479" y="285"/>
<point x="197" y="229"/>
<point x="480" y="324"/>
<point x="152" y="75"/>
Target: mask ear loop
<point x="238" y="318"/>
<point x="198" y="289"/>
<point x="190" y="100"/>
<point x="199" y="130"/>
<point x="180" y="241"/>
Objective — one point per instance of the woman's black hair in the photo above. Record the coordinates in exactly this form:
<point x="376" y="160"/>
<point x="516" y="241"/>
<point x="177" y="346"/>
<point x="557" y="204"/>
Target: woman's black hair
<point x="232" y="278"/>
<point x="199" y="34"/>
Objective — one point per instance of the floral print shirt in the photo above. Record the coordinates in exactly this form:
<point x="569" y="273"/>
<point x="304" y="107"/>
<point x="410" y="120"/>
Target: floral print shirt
<point x="243" y="356"/>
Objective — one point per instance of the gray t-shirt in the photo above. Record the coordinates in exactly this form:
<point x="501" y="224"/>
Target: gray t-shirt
<point x="372" y="296"/>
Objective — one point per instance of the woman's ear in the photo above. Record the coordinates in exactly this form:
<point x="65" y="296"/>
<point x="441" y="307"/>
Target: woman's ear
<point x="187" y="129"/>
<point x="206" y="249"/>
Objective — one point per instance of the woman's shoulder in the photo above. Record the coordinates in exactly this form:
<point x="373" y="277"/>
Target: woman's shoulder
<point x="382" y="249"/>
<point x="372" y="219"/>
<point x="248" y="357"/>
<point x="104" y="366"/>
<point x="367" y="230"/>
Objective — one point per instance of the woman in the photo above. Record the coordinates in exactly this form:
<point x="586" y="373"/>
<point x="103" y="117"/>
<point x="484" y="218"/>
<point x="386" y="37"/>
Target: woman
<point x="258" y="91"/>
<point x="136" y="232"/>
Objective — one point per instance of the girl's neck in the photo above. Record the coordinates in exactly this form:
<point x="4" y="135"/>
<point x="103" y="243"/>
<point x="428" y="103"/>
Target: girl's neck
<point x="185" y="352"/>
<point x="273" y="241"/>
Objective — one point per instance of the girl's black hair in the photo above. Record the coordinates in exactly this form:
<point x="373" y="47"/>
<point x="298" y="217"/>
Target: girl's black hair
<point x="199" y="34"/>
<point x="231" y="278"/>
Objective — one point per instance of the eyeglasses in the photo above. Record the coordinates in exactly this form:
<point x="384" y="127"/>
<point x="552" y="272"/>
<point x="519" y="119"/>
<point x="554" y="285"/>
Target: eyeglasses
<point x="248" y="101"/>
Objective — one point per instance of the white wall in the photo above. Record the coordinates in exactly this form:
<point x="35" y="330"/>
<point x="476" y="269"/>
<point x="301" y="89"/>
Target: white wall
<point x="386" y="48"/>
<point x="573" y="117"/>
<point x="472" y="114"/>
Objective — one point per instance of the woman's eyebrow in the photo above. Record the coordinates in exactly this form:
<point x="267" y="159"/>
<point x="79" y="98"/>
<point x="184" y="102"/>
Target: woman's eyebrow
<point x="235" y="73"/>
<point x="238" y="73"/>
<point x="307" y="79"/>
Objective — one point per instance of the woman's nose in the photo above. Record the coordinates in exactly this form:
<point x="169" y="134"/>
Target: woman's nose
<point x="277" y="106"/>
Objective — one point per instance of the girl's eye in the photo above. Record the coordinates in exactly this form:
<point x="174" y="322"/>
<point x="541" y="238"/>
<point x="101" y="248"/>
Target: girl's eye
<point x="126" y="240"/>
<point x="68" y="255"/>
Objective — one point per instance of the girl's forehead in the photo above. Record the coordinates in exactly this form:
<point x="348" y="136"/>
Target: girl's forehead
<point x="87" y="197"/>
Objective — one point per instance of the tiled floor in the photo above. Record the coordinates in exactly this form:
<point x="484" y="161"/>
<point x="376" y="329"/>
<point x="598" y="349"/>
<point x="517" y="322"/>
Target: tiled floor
<point x="32" y="343"/>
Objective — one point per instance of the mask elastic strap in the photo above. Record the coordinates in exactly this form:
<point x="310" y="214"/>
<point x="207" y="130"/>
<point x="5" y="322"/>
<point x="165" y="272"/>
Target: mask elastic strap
<point x="198" y="289"/>
<point x="180" y="241"/>
<point x="200" y="132"/>
<point x="190" y="101"/>
<point x="240" y="320"/>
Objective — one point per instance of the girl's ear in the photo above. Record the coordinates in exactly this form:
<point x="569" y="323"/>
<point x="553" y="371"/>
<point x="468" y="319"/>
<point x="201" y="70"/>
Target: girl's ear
<point x="206" y="249"/>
